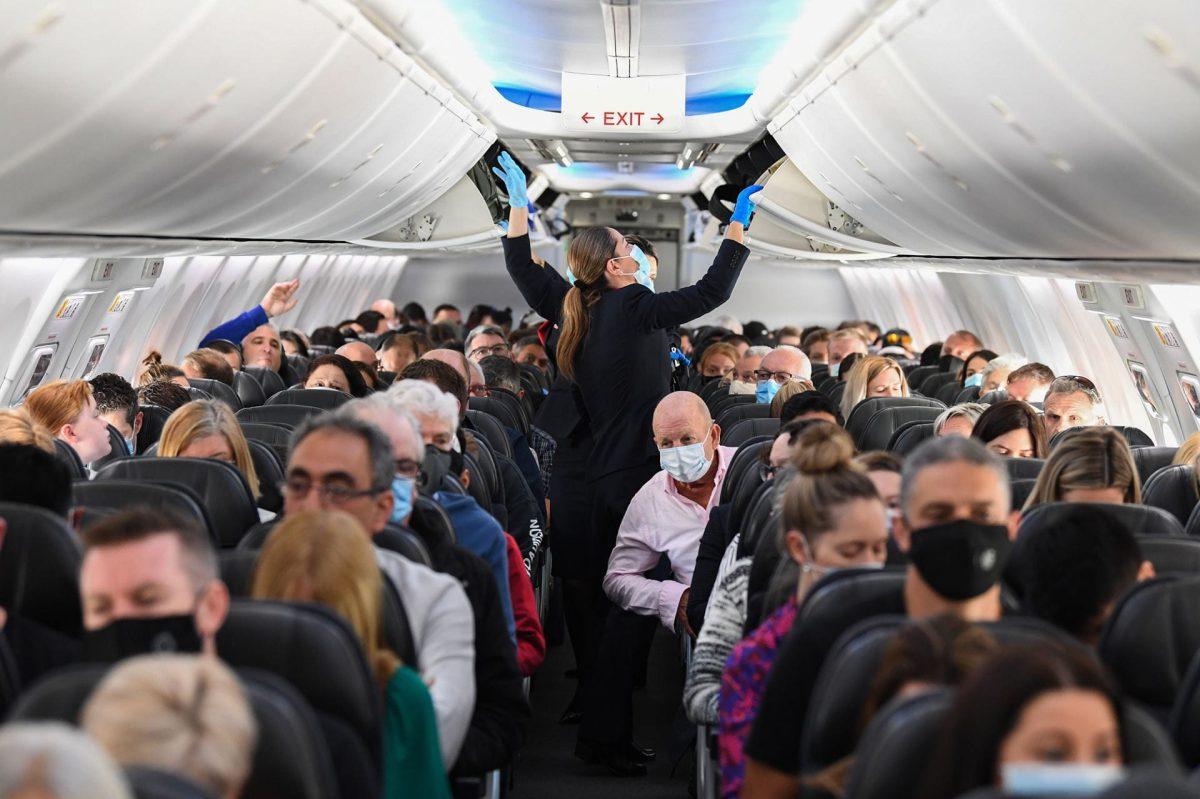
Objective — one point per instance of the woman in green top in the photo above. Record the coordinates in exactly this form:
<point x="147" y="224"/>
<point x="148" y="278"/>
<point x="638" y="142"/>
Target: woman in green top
<point x="326" y="557"/>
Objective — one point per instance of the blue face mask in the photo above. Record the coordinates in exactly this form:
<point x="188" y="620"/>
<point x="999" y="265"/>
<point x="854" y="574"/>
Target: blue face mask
<point x="766" y="391"/>
<point x="1059" y="779"/>
<point x="974" y="380"/>
<point x="686" y="464"/>
<point x="131" y="445"/>
<point x="834" y="368"/>
<point x="642" y="275"/>
<point x="402" y="494"/>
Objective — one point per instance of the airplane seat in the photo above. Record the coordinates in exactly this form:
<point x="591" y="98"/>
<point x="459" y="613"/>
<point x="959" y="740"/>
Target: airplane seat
<point x="731" y="416"/>
<point x="485" y="468"/>
<point x="861" y="414"/>
<point x="317" y="350"/>
<point x="836" y="392"/>
<point x="516" y="407"/>
<point x="747" y="429"/>
<point x="1134" y="435"/>
<point x="1173" y="489"/>
<point x="269" y="470"/>
<point x="299" y="365"/>
<point x="1021" y="489"/>
<point x="291" y="759"/>
<point x="386" y="377"/>
<point x="116" y="449"/>
<point x="150" y="783"/>
<point x="154" y="419"/>
<point x="968" y="394"/>
<point x="754" y="503"/>
<point x="897" y="745"/>
<point x="764" y="562"/>
<point x="994" y="397"/>
<point x="499" y="410"/>
<point x="222" y="489"/>
<point x="1171" y="555"/>
<point x="39" y="570"/>
<point x="931" y="385"/>
<point x="1151" y="639"/>
<point x="119" y="494"/>
<point x="826" y="384"/>
<point x="67" y="454"/>
<point x="268" y="379"/>
<point x="908" y="437"/>
<point x="748" y="453"/>
<point x="726" y="402"/>
<point x="291" y="415"/>
<point x="249" y="390"/>
<point x="1140" y="519"/>
<point x="712" y="391"/>
<point x="489" y="428"/>
<point x="217" y="390"/>
<point x="276" y="436"/>
<point x="540" y="378"/>
<point x="198" y="393"/>
<point x="1185" y="716"/>
<point x="477" y="489"/>
<point x="324" y="399"/>
<point x="884" y="424"/>
<point x="949" y="392"/>
<point x="431" y="523"/>
<point x="1149" y="460"/>
<point x="920" y="374"/>
<point x="820" y="371"/>
<point x="1024" y="468"/>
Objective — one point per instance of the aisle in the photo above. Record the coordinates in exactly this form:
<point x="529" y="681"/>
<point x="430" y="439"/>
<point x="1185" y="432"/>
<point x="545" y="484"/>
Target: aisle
<point x="548" y="768"/>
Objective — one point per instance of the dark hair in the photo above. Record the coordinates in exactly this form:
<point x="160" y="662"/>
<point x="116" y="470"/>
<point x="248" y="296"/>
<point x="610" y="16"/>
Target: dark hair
<point x="413" y="312"/>
<point x="643" y="244"/>
<point x="987" y="355"/>
<point x="344" y="327"/>
<point x="735" y="339"/>
<point x="370" y="321"/>
<point x="1032" y="371"/>
<point x="1071" y="572"/>
<point x="809" y="402"/>
<point x="931" y="354"/>
<point x="445" y="306"/>
<point x="811" y="339"/>
<point x="296" y="340"/>
<point x="327" y="337"/>
<point x="354" y="378"/>
<point x="478" y="313"/>
<point x="588" y="255"/>
<point x="847" y="365"/>
<point x="1004" y="417"/>
<point x="32" y="476"/>
<point x="225" y="346"/>
<point x="442" y="375"/>
<point x="756" y="332"/>
<point x="527" y="341"/>
<point x="880" y="461"/>
<point x="164" y="394"/>
<point x="441" y="332"/>
<point x="113" y="393"/>
<point x="140" y="523"/>
<point x="989" y="704"/>
<point x="501" y="372"/>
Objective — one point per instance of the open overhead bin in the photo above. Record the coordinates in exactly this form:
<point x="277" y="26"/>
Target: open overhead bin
<point x="277" y="120"/>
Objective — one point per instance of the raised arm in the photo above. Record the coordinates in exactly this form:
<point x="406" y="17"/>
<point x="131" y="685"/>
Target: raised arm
<point x="544" y="289"/>
<point x="280" y="298"/>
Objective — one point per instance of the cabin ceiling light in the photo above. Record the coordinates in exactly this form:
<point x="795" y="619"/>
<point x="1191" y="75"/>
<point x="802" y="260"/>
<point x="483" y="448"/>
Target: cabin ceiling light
<point x="586" y="195"/>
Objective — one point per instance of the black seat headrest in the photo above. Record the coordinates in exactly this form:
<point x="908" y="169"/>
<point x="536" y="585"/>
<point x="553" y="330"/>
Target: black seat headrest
<point x="67" y="454"/>
<point x="1140" y="519"/>
<point x="154" y="419"/>
<point x="1149" y="460"/>
<point x="497" y="409"/>
<point x="489" y="427"/>
<point x="930" y="386"/>
<point x="268" y="379"/>
<point x="909" y="436"/>
<point x="920" y="374"/>
<point x="725" y="403"/>
<point x="1170" y="555"/>
<point x="477" y="488"/>
<point x="732" y="415"/>
<point x="116" y="449"/>
<point x="897" y="746"/>
<point x="221" y="487"/>
<point x="39" y="568"/>
<point x="1185" y="716"/>
<point x="884" y="423"/>
<point x="218" y="391"/>
<point x="486" y="471"/>
<point x="753" y="504"/>
<point x="1024" y="468"/>
<point x="1173" y="489"/>
<point x="291" y="415"/>
<point x="150" y="783"/>
<point x="269" y="469"/>
<point x="250" y="391"/>
<point x="326" y="399"/>
<point x="198" y="393"/>
<point x="995" y="397"/>
<point x="299" y="366"/>
<point x="1021" y="490"/>
<point x="276" y="436"/>
<point x="1134" y="435"/>
<point x="968" y="394"/>
<point x="430" y="521"/>
<point x="745" y="458"/>
<point x="519" y="408"/>
<point x="747" y="429"/>
<point x="113" y="494"/>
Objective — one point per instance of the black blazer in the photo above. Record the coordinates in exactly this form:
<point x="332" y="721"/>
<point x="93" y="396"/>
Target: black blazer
<point x="623" y="368"/>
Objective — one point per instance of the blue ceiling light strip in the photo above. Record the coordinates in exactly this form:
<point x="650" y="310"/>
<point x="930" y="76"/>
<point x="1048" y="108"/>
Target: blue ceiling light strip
<point x="695" y="106"/>
<point x="531" y="98"/>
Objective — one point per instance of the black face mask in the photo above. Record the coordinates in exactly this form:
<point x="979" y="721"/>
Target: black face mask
<point x="960" y="559"/>
<point x="706" y="379"/>
<point x="437" y="465"/>
<point x="125" y="638"/>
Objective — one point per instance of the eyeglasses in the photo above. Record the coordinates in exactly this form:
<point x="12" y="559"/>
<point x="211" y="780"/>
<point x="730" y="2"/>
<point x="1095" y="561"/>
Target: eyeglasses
<point x="298" y="488"/>
<point x="1066" y="384"/>
<point x="778" y="377"/>
<point x="478" y="390"/>
<point x="495" y="349"/>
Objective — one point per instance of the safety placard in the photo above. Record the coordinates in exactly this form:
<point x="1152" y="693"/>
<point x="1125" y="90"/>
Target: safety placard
<point x="596" y="103"/>
<point x="69" y="306"/>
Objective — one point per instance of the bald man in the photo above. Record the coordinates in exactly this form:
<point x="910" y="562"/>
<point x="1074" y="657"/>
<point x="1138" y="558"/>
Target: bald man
<point x="778" y="367"/>
<point x="452" y="358"/>
<point x="666" y="518"/>
<point x="961" y="343"/>
<point x="359" y="351"/>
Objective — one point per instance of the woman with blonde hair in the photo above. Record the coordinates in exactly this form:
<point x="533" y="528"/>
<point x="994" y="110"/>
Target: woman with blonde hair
<point x="870" y="378"/>
<point x="788" y="390"/>
<point x="327" y="557"/>
<point x="718" y="362"/>
<point x="17" y="428"/>
<point x="1093" y="464"/>
<point x="208" y="429"/>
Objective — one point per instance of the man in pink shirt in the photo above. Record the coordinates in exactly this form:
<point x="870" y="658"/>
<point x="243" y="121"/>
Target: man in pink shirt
<point x="665" y="520"/>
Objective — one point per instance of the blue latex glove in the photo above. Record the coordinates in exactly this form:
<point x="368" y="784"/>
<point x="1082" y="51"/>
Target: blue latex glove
<point x="744" y="208"/>
<point x="514" y="181"/>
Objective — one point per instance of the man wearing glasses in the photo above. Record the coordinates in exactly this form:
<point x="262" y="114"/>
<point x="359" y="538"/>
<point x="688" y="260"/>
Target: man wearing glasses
<point x="778" y="367"/>
<point x="1072" y="401"/>
<point x="486" y="340"/>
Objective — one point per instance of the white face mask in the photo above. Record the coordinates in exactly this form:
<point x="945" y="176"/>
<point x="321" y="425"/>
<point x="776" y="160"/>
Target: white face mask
<point x="686" y="464"/>
<point x="1059" y="779"/>
<point x="741" y="387"/>
<point x="834" y="368"/>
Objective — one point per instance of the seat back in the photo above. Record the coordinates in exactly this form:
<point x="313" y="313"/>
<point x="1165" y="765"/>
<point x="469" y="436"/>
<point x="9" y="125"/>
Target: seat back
<point x="269" y="468"/>
<point x="430" y="521"/>
<point x="747" y="429"/>
<point x="485" y="468"/>
<point x="909" y="436"/>
<point x="1185" y="716"/>
<point x="218" y="391"/>
<point x="949" y="391"/>
<point x="114" y="494"/>
<point x="1173" y="489"/>
<point x="922" y="373"/>
<point x="116" y="449"/>
<point x="1140" y="520"/>
<point x="250" y="391"/>
<point x="860" y="414"/>
<point x="746" y="457"/>
<point x="731" y="416"/>
<point x="497" y="409"/>
<point x="968" y="394"/>
<point x="1149" y="460"/>
<point x="518" y="408"/>
<point x="326" y="399"/>
<point x="198" y="393"/>
<point x="884" y="423"/>
<point x="1024" y="468"/>
<point x="154" y="419"/>
<point x="268" y="379"/>
<point x="149" y="783"/>
<point x="930" y="386"/>
<point x="276" y="436"/>
<point x="299" y="366"/>
<point x="1134" y="435"/>
<point x="490" y="428"/>
<point x="728" y="401"/>
<point x="221" y="487"/>
<point x="896" y="747"/>
<point x="67" y="454"/>
<point x="290" y="415"/>
<point x="39" y="568"/>
<point x="1171" y="555"/>
<point x="1021" y="491"/>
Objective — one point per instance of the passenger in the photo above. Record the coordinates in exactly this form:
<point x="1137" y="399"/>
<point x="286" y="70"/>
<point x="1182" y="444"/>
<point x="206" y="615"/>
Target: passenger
<point x="503" y="373"/>
<point x="340" y="463"/>
<point x="207" y="364"/>
<point x="1094" y="465"/>
<point x="31" y="475"/>
<point x="50" y="760"/>
<point x="833" y="518"/>
<point x="1011" y="429"/>
<point x="149" y="583"/>
<point x="359" y="352"/>
<point x="961" y="343"/>
<point x="447" y="314"/>
<point x="351" y="329"/>
<point x="789" y="336"/>
<point x="666" y="518"/>
<point x="387" y="309"/>
<point x="397" y="352"/>
<point x="530" y="350"/>
<point x="336" y="372"/>
<point x="1072" y="401"/>
<point x="327" y="337"/>
<point x="294" y="343"/>
<point x="17" y="428"/>
<point x="896" y="343"/>
<point x="790" y="389"/>
<point x="884" y="469"/>
<point x="810" y="405"/>
<point x="67" y="408"/>
<point x="841" y="344"/>
<point x="739" y="343"/>
<point x="153" y="369"/>
<point x="744" y="381"/>
<point x="729" y="323"/>
<point x="477" y="382"/>
<point x="718" y="362"/>
<point x="815" y="344"/>
<point x="414" y="313"/>
<point x="261" y="345"/>
<point x="165" y="394"/>
<point x="372" y="323"/>
<point x="1188" y="454"/>
<point x="325" y="557"/>
<point x="995" y="374"/>
<point x="482" y="315"/>
<point x="648" y="249"/>
<point x="873" y="377"/>
<point x="369" y="375"/>
<point x="208" y="429"/>
<point x="778" y="367"/>
<point x="1029" y="383"/>
<point x="486" y="340"/>
<point x="231" y="352"/>
<point x="1030" y="716"/>
<point x="1073" y="575"/>
<point x="956" y="527"/>
<point x="958" y="420"/>
<point x="971" y="373"/>
<point x="182" y="714"/>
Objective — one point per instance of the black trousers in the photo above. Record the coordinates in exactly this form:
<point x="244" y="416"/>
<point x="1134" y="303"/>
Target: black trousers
<point x="620" y="660"/>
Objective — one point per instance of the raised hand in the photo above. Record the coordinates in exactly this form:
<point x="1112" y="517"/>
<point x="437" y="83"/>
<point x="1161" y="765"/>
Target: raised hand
<point x="514" y="181"/>
<point x="744" y="208"/>
<point x="279" y="299"/>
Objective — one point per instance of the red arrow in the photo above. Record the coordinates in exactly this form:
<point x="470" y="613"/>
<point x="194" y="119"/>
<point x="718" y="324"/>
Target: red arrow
<point x="587" y="117"/>
<point x="658" y="119"/>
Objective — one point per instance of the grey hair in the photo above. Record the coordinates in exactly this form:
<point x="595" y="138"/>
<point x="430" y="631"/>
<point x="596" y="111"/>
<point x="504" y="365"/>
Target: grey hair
<point x="379" y="448"/>
<point x="59" y="758"/>
<point x="481" y="330"/>
<point x="729" y="322"/>
<point x="1009" y="360"/>
<point x="950" y="449"/>
<point x="963" y="410"/>
<point x="420" y="398"/>
<point x="760" y="351"/>
<point x="806" y="369"/>
<point x="1070" y="385"/>
<point x="378" y="403"/>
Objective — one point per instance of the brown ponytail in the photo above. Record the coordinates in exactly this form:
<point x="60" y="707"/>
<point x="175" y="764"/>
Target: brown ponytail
<point x="589" y="254"/>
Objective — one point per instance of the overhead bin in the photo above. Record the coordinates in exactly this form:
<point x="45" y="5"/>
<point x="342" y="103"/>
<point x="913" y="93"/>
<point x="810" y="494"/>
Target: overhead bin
<point x="277" y="119"/>
<point x="983" y="128"/>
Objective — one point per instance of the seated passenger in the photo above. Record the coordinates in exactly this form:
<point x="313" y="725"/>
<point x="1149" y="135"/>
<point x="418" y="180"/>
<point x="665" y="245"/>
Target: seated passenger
<point x="816" y="345"/>
<point x="729" y="322"/>
<point x="743" y="380"/>
<point x="231" y="352"/>
<point x="17" y="428"/>
<point x="387" y="309"/>
<point x="327" y="336"/>
<point x="841" y="344"/>
<point x="338" y="373"/>
<point x="50" y="760"/>
<point x="501" y="372"/>
<point x="896" y="343"/>
<point x="810" y="405"/>
<point x="261" y="345"/>
<point x="1011" y="429"/>
<point x="325" y="557"/>
<point x="956" y="527"/>
<point x="1073" y="574"/>
<point x="164" y="394"/>
<point x="833" y="518"/>
<point x="792" y="388"/>
<point x="1029" y="382"/>
<point x="372" y="323"/>
<point x="870" y="378"/>
<point x="958" y="420"/>
<point x="31" y="475"/>
<point x="789" y="336"/>
<point x="718" y="362"/>
<point x="68" y="410"/>
<point x="1093" y="465"/>
<point x="117" y="403"/>
<point x="398" y="351"/>
<point x="208" y="429"/>
<point x="149" y="583"/>
<point x="1072" y="401"/>
<point x="778" y="367"/>
<point x="884" y="469"/>
<point x="1030" y="716"/>
<point x="995" y="374"/>
<point x="208" y="365"/>
<point x="414" y="314"/>
<point x="530" y="350"/>
<point x="182" y="714"/>
<point x="448" y="314"/>
<point x="486" y="340"/>
<point x="961" y="343"/>
<point x="153" y="369"/>
<point x="294" y="343"/>
<point x="971" y="373"/>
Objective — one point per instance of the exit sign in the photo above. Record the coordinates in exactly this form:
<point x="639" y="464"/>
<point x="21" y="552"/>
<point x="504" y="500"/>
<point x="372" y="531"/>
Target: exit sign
<point x="595" y="103"/>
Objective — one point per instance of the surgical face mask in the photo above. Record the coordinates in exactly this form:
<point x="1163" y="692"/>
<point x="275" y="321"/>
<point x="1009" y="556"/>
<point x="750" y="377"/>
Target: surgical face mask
<point x="766" y="391"/>
<point x="124" y="638"/>
<point x="131" y="445"/>
<point x="742" y="387"/>
<point x="642" y="273"/>
<point x="402" y="494"/>
<point x="960" y="559"/>
<point x="834" y="368"/>
<point x="1058" y="779"/>
<point x="686" y="464"/>
<point x="974" y="380"/>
